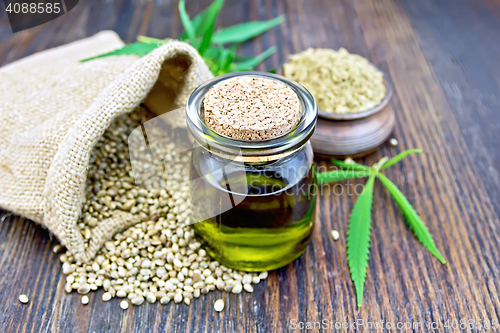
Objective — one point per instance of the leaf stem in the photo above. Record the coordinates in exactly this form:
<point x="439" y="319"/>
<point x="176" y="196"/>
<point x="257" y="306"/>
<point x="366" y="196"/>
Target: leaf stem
<point x="376" y="167"/>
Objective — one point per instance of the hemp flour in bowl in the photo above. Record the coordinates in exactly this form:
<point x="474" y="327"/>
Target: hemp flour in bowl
<point x="345" y="85"/>
<point x="353" y="101"/>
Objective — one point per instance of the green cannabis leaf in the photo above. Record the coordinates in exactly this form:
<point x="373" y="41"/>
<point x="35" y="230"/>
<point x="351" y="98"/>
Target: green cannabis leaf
<point x="200" y="33"/>
<point x="411" y="216"/>
<point x="139" y="49"/>
<point x="196" y="24"/>
<point x="207" y="25"/>
<point x="399" y="157"/>
<point x="151" y="40"/>
<point x="252" y="62"/>
<point x="336" y="175"/>
<point x="186" y="22"/>
<point x="358" y="236"/>
<point x="353" y="166"/>
<point x="245" y="31"/>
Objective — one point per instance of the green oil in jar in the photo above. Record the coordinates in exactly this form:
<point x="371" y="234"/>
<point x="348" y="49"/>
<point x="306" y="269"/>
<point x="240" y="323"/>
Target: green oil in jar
<point x="253" y="183"/>
<point x="261" y="215"/>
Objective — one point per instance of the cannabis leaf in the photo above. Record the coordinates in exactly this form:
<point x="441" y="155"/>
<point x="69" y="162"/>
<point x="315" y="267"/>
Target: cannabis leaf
<point x="186" y="22"/>
<point x="151" y="40"/>
<point x="200" y="33"/>
<point x="353" y="166"/>
<point x="358" y="236"/>
<point x="196" y="24"/>
<point x="139" y="49"/>
<point x="411" y="216"/>
<point x="252" y="62"/>
<point x="399" y="157"/>
<point x="336" y="175"/>
<point x="207" y="25"/>
<point x="245" y="31"/>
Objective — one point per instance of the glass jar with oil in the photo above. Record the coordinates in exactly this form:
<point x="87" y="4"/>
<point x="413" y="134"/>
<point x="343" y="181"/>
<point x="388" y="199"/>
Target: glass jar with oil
<point x="253" y="202"/>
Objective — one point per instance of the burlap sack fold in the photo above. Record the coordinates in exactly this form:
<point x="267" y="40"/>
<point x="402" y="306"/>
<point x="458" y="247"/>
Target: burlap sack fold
<point x="54" y="110"/>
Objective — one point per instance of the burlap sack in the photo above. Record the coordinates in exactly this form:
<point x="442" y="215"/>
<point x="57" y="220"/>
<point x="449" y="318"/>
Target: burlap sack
<point x="53" y="111"/>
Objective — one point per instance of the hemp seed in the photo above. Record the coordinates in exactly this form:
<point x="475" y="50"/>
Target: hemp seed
<point x="248" y="287"/>
<point x="156" y="259"/>
<point x="219" y="305"/>
<point x="124" y="305"/>
<point x="57" y="248"/>
<point x="150" y="297"/>
<point x="106" y="296"/>
<point x="340" y="82"/>
<point x="23" y="299"/>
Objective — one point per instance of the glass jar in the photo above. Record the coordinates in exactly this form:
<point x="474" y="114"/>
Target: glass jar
<point x="253" y="202"/>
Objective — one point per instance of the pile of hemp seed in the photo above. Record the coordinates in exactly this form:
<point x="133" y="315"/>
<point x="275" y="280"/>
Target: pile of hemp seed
<point x="158" y="259"/>
<point x="341" y="82"/>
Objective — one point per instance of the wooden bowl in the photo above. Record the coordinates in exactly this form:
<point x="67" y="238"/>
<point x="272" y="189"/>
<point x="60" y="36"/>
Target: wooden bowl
<point x="354" y="134"/>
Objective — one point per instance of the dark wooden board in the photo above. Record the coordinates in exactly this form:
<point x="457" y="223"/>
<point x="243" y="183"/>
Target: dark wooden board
<point x="443" y="58"/>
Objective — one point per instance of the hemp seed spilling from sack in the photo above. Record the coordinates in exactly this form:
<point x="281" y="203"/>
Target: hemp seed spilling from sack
<point x="158" y="259"/>
<point x="339" y="81"/>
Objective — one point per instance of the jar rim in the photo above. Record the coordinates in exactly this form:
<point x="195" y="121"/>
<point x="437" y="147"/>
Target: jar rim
<point x="283" y="144"/>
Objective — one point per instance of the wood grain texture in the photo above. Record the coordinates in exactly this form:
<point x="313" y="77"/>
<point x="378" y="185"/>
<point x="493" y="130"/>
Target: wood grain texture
<point x="443" y="58"/>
